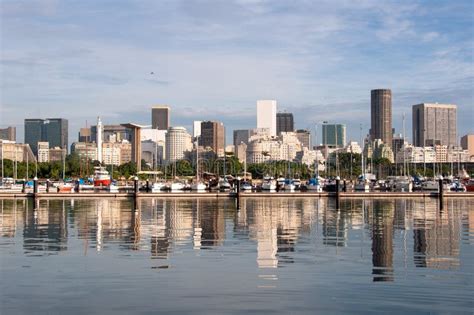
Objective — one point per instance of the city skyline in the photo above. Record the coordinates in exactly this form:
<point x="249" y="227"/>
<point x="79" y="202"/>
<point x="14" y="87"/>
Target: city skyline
<point x="56" y="61"/>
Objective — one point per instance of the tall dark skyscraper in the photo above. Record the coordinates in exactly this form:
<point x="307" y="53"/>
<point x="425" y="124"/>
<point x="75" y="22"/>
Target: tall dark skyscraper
<point x="160" y="117"/>
<point x="52" y="130"/>
<point x="212" y="135"/>
<point x="381" y="115"/>
<point x="285" y="122"/>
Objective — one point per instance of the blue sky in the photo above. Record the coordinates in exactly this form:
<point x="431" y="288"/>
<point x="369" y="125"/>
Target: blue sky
<point x="214" y="59"/>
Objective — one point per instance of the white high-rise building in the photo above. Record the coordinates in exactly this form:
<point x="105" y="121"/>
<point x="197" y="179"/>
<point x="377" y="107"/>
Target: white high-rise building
<point x="197" y="128"/>
<point x="266" y="115"/>
<point x="178" y="141"/>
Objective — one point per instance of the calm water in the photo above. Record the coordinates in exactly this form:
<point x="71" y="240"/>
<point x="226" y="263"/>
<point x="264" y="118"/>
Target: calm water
<point x="204" y="256"/>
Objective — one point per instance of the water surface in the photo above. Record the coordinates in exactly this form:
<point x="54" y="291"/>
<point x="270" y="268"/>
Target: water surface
<point x="205" y="256"/>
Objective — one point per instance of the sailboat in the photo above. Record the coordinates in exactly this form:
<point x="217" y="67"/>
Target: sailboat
<point x="198" y="185"/>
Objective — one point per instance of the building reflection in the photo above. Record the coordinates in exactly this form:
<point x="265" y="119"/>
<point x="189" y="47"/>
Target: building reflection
<point x="275" y="226"/>
<point x="436" y="235"/>
<point x="382" y="239"/>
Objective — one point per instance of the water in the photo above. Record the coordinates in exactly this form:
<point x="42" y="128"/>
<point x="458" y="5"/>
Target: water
<point x="203" y="256"/>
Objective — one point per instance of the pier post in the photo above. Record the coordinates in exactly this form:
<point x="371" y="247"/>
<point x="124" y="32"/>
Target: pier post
<point x="344" y="186"/>
<point x="35" y="186"/>
<point x="440" y="192"/>
<point x="338" y="182"/>
<point x="47" y="185"/>
<point x="135" y="186"/>
<point x="238" y="192"/>
<point x="23" y="186"/>
<point x="78" y="186"/>
<point x="147" y="185"/>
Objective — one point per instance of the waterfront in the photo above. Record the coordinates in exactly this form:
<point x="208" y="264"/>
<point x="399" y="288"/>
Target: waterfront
<point x="278" y="255"/>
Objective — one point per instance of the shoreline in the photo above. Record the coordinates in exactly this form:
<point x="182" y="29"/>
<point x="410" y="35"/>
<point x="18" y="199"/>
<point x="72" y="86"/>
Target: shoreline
<point x="82" y="195"/>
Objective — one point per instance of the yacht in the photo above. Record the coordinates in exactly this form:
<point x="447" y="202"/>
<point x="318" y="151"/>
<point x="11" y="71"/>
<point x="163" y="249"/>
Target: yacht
<point x="101" y="176"/>
<point x="314" y="185"/>
<point x="430" y="185"/>
<point x="400" y="183"/>
<point x="268" y="183"/>
<point x="177" y="186"/>
<point x="198" y="186"/>
<point x="289" y="185"/>
<point x="157" y="187"/>
<point x="245" y="186"/>
<point x="223" y="184"/>
<point x="362" y="184"/>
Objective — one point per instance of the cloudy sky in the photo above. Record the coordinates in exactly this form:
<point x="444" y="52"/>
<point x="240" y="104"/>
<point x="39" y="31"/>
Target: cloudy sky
<point x="214" y="59"/>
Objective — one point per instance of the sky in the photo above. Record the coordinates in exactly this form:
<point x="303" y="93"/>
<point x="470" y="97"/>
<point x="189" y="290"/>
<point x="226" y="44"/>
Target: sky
<point x="212" y="60"/>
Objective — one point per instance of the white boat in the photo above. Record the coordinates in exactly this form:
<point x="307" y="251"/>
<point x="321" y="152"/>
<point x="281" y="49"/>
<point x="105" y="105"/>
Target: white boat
<point x="198" y="186"/>
<point x="157" y="187"/>
<point x="268" y="183"/>
<point x="101" y="177"/>
<point x="177" y="186"/>
<point x="113" y="188"/>
<point x="362" y="185"/>
<point x="246" y="186"/>
<point x="223" y="184"/>
<point x="280" y="181"/>
<point x="400" y="183"/>
<point x="430" y="185"/>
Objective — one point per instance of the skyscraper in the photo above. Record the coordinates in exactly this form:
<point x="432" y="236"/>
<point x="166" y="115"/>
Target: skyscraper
<point x="304" y="137"/>
<point x="334" y="135"/>
<point x="434" y="124"/>
<point x="241" y="135"/>
<point x="285" y="122"/>
<point x="213" y="135"/>
<point x="178" y="141"/>
<point x="160" y="117"/>
<point x="52" y="130"/>
<point x="381" y="115"/>
<point x="266" y="115"/>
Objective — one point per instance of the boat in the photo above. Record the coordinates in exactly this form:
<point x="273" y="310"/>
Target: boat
<point x="157" y="187"/>
<point x="268" y="183"/>
<point x="113" y="188"/>
<point x="198" y="186"/>
<point x="314" y="185"/>
<point x="101" y="177"/>
<point x="289" y="185"/>
<point x="177" y="186"/>
<point x="430" y="185"/>
<point x="280" y="183"/>
<point x="65" y="188"/>
<point x="245" y="186"/>
<point x="223" y="184"/>
<point x="456" y="185"/>
<point x="362" y="184"/>
<point x="400" y="183"/>
<point x="470" y="185"/>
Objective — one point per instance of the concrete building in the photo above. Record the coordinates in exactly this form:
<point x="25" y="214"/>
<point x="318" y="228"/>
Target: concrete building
<point x="285" y="122"/>
<point x="412" y="154"/>
<point x="434" y="124"/>
<point x="242" y="136"/>
<point x="117" y="132"/>
<point x="352" y="147"/>
<point x="334" y="135"/>
<point x="240" y="151"/>
<point x="213" y="136"/>
<point x="160" y="117"/>
<point x="467" y="143"/>
<point x="57" y="154"/>
<point x="85" y="150"/>
<point x="196" y="128"/>
<point x="118" y="153"/>
<point x="153" y="152"/>
<point x="178" y="142"/>
<point x="8" y="133"/>
<point x="136" y="150"/>
<point x="43" y="152"/>
<point x="304" y="136"/>
<point x="18" y="152"/>
<point x="154" y="135"/>
<point x="397" y="144"/>
<point x="266" y="115"/>
<point x="381" y="115"/>
<point x="84" y="135"/>
<point x="52" y="130"/>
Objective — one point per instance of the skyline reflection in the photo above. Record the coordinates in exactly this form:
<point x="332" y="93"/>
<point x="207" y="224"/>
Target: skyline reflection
<point x="275" y="228"/>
